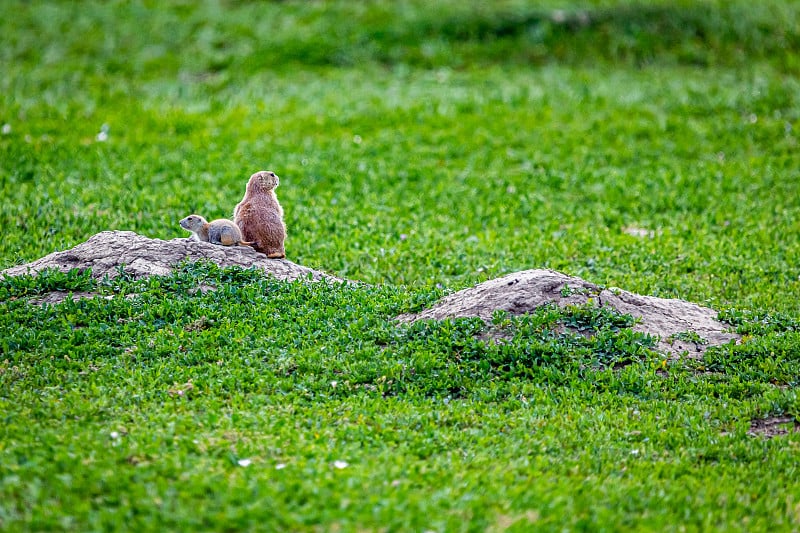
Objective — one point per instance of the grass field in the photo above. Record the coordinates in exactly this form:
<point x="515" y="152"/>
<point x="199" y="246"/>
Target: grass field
<point x="422" y="147"/>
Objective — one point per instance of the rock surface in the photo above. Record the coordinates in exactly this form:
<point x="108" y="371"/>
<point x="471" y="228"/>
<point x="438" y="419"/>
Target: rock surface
<point x="141" y="256"/>
<point x="525" y="291"/>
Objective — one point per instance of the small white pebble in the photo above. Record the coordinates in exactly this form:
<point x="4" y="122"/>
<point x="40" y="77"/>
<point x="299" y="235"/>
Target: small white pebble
<point x="244" y="462"/>
<point x="403" y="236"/>
<point x="280" y="466"/>
<point x="102" y="137"/>
<point x="334" y="383"/>
<point x="114" y="435"/>
<point x="6" y="129"/>
<point x="634" y="452"/>
<point x="340" y="464"/>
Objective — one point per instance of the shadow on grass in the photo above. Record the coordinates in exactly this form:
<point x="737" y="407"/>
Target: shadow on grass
<point x="696" y="33"/>
<point x="246" y="38"/>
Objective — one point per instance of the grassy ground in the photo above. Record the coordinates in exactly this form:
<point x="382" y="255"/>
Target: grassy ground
<point x="651" y="146"/>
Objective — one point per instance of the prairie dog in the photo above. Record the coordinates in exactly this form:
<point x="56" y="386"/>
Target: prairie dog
<point x="221" y="231"/>
<point x="260" y="216"/>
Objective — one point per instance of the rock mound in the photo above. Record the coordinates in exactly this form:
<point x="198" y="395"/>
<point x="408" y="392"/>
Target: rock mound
<point x="141" y="256"/>
<point x="681" y="326"/>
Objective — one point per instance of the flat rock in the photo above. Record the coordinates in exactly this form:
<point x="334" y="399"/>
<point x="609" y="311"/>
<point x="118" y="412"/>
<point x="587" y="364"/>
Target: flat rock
<point x="524" y="292"/>
<point x="141" y="257"/>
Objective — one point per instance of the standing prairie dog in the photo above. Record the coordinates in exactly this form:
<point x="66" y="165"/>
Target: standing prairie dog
<point x="221" y="231"/>
<point x="260" y="216"/>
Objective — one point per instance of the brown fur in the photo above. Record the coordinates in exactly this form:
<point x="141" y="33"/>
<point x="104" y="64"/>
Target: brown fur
<point x="221" y="231"/>
<point x="260" y="216"/>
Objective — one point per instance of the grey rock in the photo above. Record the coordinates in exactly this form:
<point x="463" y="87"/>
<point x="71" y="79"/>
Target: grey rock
<point x="141" y="257"/>
<point x="523" y="292"/>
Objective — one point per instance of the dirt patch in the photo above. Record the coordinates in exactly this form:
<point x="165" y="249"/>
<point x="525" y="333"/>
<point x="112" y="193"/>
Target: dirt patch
<point x="56" y="297"/>
<point x="773" y="426"/>
<point x="106" y="252"/>
<point x="682" y="327"/>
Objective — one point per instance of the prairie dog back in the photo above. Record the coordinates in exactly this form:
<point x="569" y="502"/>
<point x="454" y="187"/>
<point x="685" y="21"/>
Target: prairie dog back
<point x="220" y="231"/>
<point x="260" y="216"/>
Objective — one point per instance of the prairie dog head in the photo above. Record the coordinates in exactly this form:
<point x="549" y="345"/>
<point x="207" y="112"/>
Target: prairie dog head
<point x="193" y="223"/>
<point x="262" y="181"/>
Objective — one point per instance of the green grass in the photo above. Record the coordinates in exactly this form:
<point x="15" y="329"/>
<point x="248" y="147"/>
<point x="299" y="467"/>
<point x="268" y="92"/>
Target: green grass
<point x="422" y="148"/>
<point x="161" y="392"/>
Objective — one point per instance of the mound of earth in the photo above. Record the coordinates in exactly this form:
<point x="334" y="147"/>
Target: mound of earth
<point x="681" y="326"/>
<point x="106" y="252"/>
